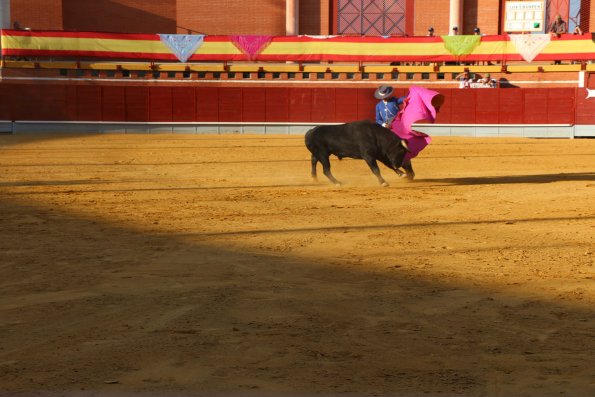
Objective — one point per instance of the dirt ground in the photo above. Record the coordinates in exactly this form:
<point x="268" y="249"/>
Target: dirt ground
<point x="213" y="265"/>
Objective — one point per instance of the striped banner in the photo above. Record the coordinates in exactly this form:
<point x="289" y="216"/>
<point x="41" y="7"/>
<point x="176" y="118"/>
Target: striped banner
<point x="80" y="45"/>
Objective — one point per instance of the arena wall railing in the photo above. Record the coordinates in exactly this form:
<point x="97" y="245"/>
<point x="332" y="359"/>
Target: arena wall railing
<point x="297" y="68"/>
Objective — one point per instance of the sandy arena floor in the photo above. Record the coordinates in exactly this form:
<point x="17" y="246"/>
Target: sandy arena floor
<point x="213" y="265"/>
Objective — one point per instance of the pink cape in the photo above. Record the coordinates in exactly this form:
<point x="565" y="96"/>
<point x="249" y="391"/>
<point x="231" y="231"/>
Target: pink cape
<point x="420" y="106"/>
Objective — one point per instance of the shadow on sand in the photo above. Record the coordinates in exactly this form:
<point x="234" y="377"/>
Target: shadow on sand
<point x="91" y="306"/>
<point x="505" y="180"/>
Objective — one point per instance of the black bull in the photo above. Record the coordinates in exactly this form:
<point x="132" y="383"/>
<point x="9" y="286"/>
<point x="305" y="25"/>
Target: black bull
<point x="359" y="140"/>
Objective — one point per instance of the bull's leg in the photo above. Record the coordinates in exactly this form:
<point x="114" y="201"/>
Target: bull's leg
<point x="409" y="170"/>
<point x="314" y="161"/>
<point x="374" y="167"/>
<point x="326" y="169"/>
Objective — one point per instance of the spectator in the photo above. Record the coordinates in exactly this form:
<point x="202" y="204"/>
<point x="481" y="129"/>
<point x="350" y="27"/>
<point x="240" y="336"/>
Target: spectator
<point x="17" y="26"/>
<point x="455" y="30"/>
<point x="477" y="32"/>
<point x="577" y="30"/>
<point x="558" y="27"/>
<point x="464" y="80"/>
<point x="488" y="82"/>
<point x="430" y="32"/>
<point x="388" y="108"/>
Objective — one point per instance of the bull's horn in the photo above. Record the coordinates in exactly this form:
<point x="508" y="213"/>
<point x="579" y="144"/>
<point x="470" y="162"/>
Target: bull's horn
<point x="405" y="145"/>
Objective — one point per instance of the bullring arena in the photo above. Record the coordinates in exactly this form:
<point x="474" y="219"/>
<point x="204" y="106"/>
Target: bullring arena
<point x="161" y="235"/>
<point x="213" y="265"/>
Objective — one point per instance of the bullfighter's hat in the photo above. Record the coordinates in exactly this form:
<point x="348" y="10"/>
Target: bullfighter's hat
<point x="383" y="92"/>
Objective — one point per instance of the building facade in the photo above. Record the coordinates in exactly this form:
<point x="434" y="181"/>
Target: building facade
<point x="48" y="94"/>
<point x="280" y="17"/>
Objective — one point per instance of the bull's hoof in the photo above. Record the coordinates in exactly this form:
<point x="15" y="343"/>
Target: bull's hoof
<point x="384" y="184"/>
<point x="338" y="184"/>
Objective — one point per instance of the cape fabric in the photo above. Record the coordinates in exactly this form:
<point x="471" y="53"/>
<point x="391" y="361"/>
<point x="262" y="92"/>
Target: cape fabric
<point x="182" y="45"/>
<point x="419" y="107"/>
<point x="251" y="45"/>
<point x="461" y="45"/>
<point x="530" y="45"/>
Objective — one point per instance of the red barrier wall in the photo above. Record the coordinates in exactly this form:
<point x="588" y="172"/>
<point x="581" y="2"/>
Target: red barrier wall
<point x="183" y="103"/>
<point x="585" y="108"/>
<point x="281" y="104"/>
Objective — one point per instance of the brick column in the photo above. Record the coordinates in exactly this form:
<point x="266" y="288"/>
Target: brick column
<point x="291" y="17"/>
<point x="591" y="27"/>
<point x="456" y="16"/>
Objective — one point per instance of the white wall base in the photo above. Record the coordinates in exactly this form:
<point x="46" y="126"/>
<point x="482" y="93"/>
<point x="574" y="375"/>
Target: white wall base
<point x="470" y="130"/>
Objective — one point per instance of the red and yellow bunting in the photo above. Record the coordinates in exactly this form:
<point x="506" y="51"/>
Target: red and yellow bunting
<point x="148" y="47"/>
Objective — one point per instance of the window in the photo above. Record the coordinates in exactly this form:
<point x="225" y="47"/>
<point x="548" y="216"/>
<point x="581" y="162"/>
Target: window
<point x="371" y="17"/>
